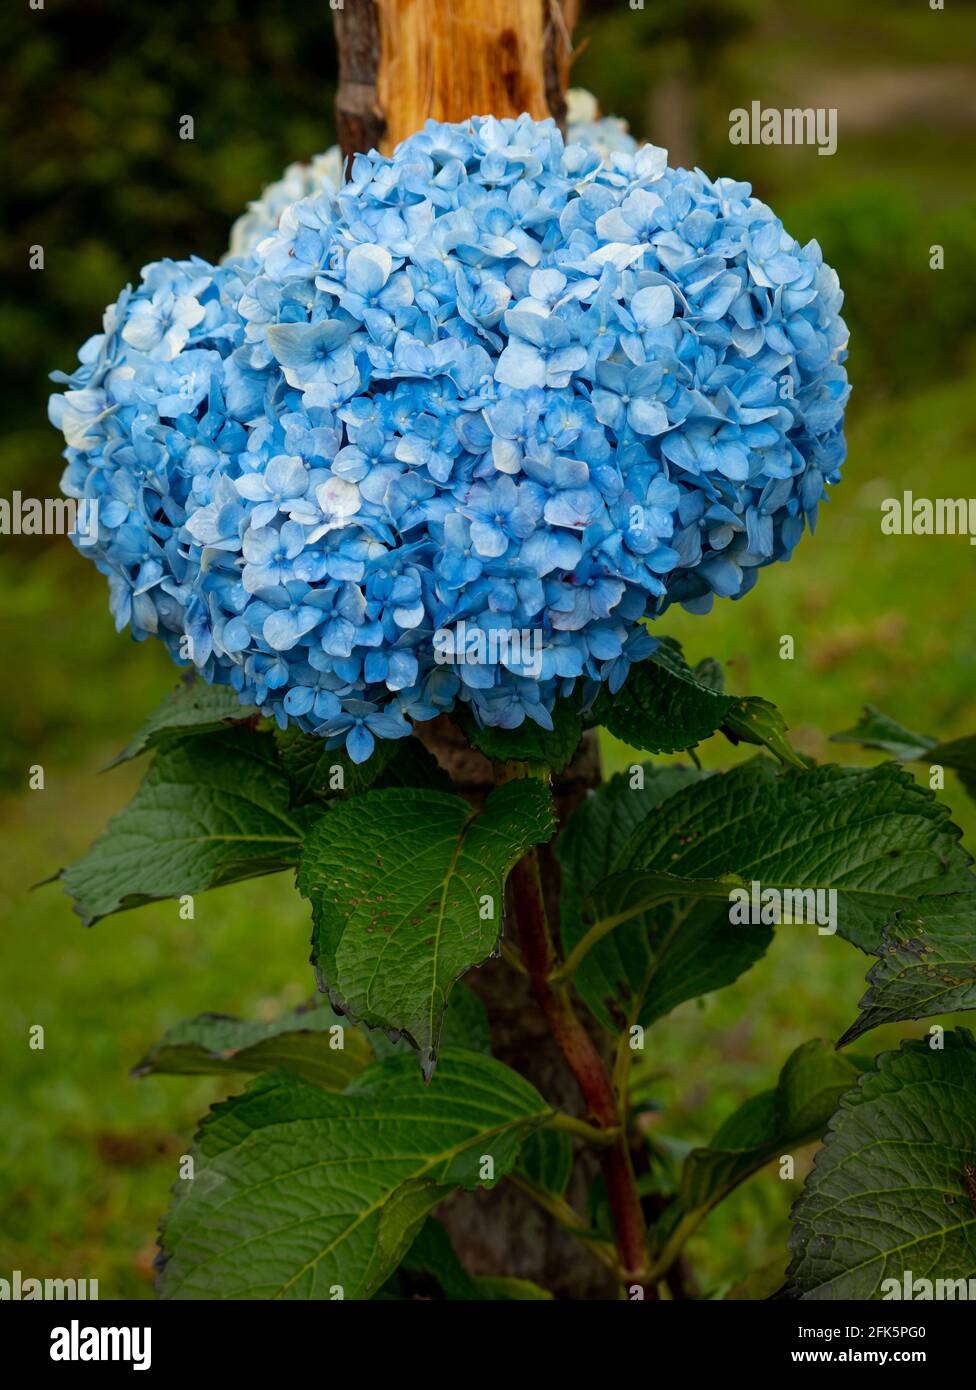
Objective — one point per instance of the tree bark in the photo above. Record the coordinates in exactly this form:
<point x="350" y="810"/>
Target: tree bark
<point x="404" y="61"/>
<point x="359" y="117"/>
<point x="401" y="62"/>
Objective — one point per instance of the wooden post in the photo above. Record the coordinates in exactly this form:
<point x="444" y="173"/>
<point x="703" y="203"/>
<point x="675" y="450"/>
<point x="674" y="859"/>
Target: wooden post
<point x="400" y="62"/>
<point x="403" y="61"/>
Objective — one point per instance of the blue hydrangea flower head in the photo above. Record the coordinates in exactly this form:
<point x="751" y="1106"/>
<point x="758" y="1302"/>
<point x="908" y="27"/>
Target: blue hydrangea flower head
<point x="585" y="126"/>
<point x="495" y="382"/>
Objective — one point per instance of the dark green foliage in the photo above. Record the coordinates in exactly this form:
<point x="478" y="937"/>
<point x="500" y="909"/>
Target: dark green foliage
<point x="407" y="883"/>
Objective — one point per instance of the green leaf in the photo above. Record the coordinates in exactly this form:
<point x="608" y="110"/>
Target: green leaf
<point x="754" y="720"/>
<point x="678" y="953"/>
<point x="662" y="707"/>
<point x="317" y="772"/>
<point x="927" y="965"/>
<point x="211" y="810"/>
<point x="616" y="975"/>
<point x="413" y="765"/>
<point x="401" y="882"/>
<point x="547" y="1160"/>
<point x="709" y="672"/>
<point x="530" y="742"/>
<point x="465" y="1025"/>
<point x="768" y="1125"/>
<point x="297" y="1190"/>
<point x="600" y="826"/>
<point x="960" y="755"/>
<point x="431" y="1269"/>
<point x="893" y="1189"/>
<point x="194" y="707"/>
<point x="665" y="707"/>
<point x="871" y="834"/>
<point x="300" y="1041"/>
<point x="431" y="1259"/>
<point x="876" y="730"/>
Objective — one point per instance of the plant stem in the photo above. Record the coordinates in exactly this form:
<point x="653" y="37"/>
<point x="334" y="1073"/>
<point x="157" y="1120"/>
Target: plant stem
<point x="511" y="957"/>
<point x="673" y="1247"/>
<point x="590" y="1134"/>
<point x="570" y="1221"/>
<point x="586" y="1065"/>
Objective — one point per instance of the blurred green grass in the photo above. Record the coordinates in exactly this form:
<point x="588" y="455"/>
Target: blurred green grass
<point x="86" y="1154"/>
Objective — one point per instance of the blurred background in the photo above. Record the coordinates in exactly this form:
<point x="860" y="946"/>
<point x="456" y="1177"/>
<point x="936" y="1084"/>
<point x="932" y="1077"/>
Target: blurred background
<point x="97" y="175"/>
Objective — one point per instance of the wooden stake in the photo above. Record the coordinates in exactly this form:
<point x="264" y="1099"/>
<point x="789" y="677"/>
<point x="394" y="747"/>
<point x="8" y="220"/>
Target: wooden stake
<point x="403" y="61"/>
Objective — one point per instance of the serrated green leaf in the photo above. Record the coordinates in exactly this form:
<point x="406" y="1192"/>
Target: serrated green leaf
<point x="547" y="1160"/>
<point x="665" y="707"/>
<point x="893" y="1189"/>
<point x="398" y="882"/>
<point x="622" y="969"/>
<point x="432" y="1260"/>
<point x="755" y="720"/>
<point x="662" y="707"/>
<point x="600" y="826"/>
<point x="680" y="952"/>
<point x="795" y="1113"/>
<point x="300" y="1041"/>
<point x="872" y="834"/>
<point x="530" y="742"/>
<point x="298" y="1190"/>
<point x="876" y="730"/>
<point x="316" y="771"/>
<point x="194" y="707"/>
<point x="960" y="755"/>
<point x="466" y="1025"/>
<point x="927" y="965"/>
<point x="211" y="810"/>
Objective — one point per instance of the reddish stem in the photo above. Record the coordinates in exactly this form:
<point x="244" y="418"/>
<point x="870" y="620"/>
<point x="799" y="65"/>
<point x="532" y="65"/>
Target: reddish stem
<point x="587" y="1067"/>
